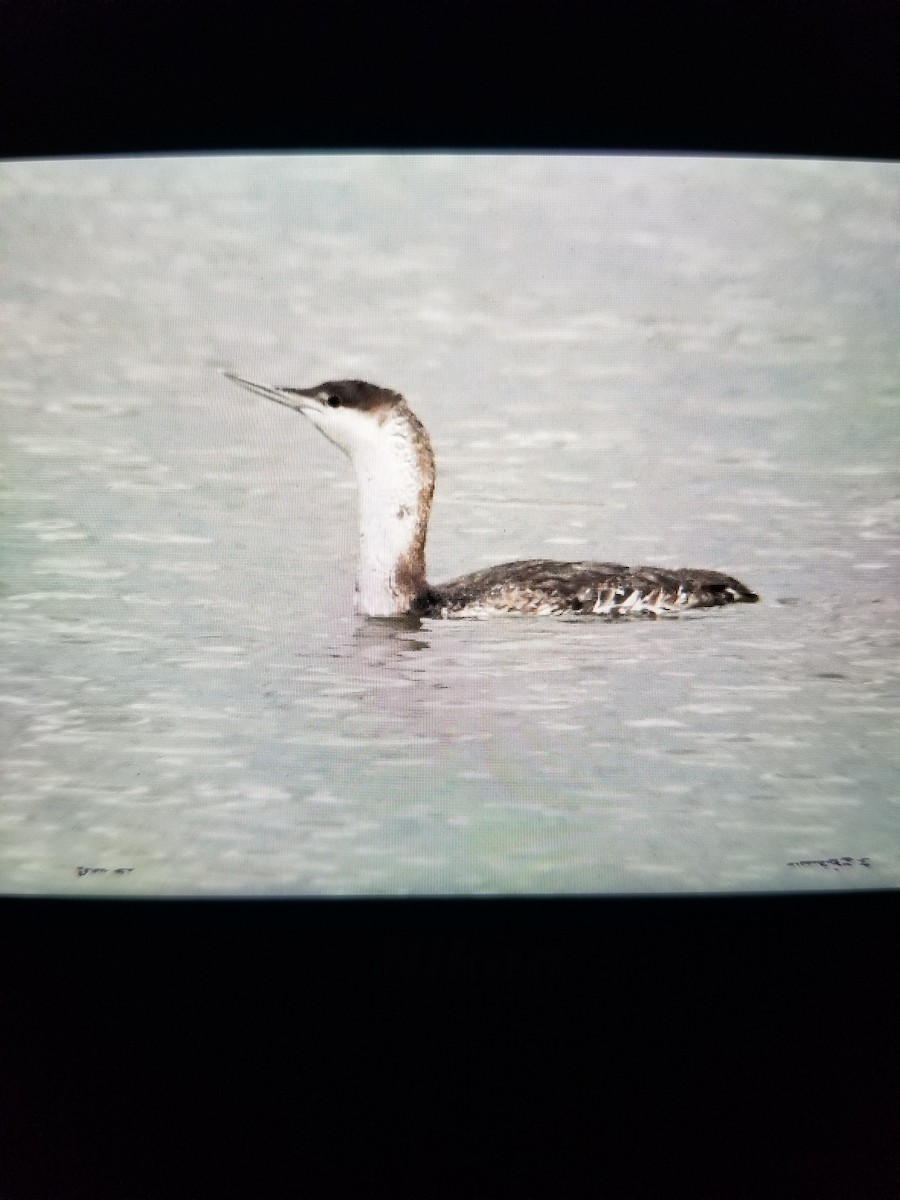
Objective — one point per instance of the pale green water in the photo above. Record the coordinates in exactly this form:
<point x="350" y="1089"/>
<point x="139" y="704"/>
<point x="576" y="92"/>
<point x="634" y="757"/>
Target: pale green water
<point x="686" y="363"/>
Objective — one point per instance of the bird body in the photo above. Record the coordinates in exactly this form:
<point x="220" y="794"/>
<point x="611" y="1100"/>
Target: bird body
<point x="395" y="470"/>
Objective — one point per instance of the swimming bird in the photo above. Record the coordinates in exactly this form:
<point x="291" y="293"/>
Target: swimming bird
<point x="394" y="462"/>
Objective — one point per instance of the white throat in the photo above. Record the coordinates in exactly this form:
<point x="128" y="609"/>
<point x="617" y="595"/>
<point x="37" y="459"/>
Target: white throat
<point x="395" y="489"/>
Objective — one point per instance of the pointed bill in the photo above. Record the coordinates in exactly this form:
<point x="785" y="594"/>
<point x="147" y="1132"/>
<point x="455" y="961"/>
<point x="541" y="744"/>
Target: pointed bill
<point x="296" y="398"/>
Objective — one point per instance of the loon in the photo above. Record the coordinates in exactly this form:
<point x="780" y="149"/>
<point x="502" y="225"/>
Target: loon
<point x="394" y="463"/>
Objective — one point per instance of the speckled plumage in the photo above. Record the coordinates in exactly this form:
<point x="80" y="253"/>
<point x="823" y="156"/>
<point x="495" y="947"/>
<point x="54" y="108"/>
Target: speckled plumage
<point x="394" y="463"/>
<point x="543" y="587"/>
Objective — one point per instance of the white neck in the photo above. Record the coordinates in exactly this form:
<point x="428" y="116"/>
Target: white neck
<point x="394" y="502"/>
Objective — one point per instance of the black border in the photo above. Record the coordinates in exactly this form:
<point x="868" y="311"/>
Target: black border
<point x="812" y="77"/>
<point x="704" y="1047"/>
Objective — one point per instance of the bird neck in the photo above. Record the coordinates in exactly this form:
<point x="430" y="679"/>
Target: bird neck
<point x="396" y="483"/>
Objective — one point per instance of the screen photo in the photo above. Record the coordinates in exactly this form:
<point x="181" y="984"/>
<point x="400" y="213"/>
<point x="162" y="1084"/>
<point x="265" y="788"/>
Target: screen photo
<point x="414" y="525"/>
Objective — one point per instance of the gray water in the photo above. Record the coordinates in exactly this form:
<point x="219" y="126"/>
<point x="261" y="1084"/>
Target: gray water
<point x="666" y="361"/>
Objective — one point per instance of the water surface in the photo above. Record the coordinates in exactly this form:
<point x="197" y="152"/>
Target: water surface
<point x="665" y="361"/>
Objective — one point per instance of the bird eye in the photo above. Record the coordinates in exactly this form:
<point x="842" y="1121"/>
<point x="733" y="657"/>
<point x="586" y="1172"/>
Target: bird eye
<point x="334" y="402"/>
